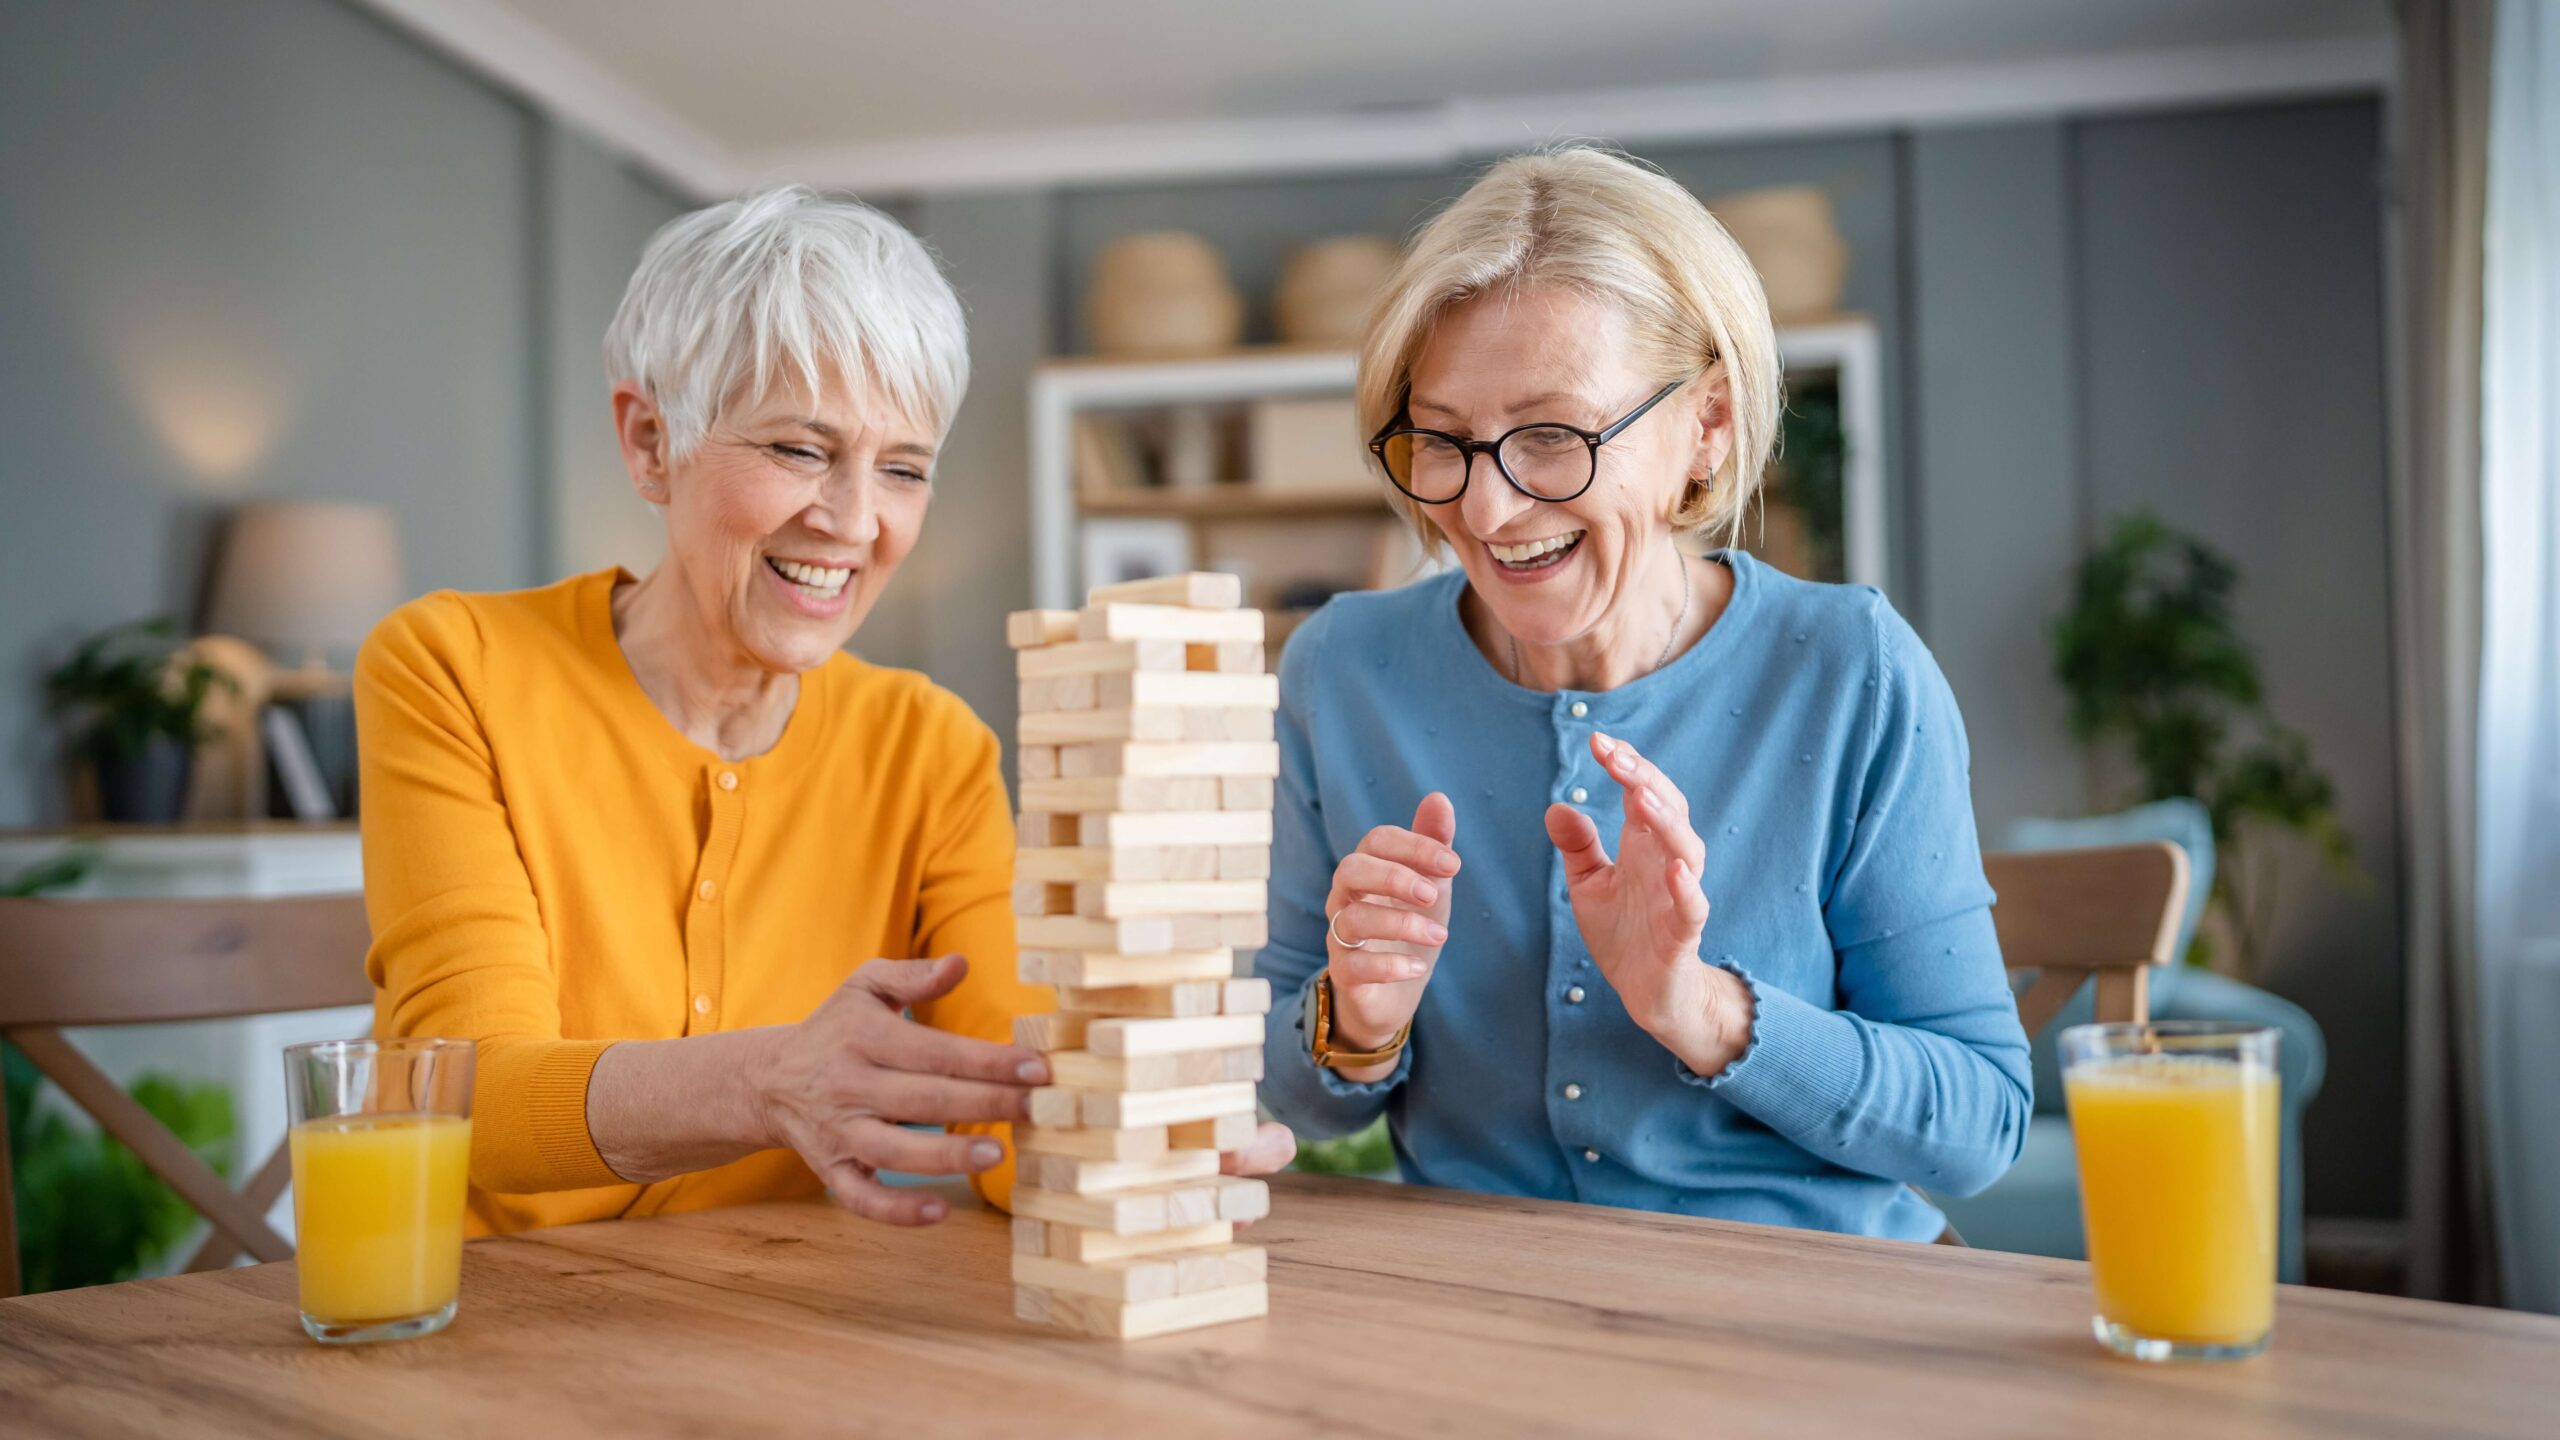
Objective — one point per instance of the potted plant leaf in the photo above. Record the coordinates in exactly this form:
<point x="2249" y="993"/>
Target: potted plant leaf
<point x="132" y="709"/>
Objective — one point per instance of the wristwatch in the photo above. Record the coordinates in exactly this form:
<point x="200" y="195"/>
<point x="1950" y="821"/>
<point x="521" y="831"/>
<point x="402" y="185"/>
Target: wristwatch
<point x="1318" y="1021"/>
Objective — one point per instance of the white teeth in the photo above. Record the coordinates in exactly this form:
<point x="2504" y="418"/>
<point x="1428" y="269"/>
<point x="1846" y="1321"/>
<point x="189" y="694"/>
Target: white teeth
<point x="1522" y="554"/>
<point x="824" y="580"/>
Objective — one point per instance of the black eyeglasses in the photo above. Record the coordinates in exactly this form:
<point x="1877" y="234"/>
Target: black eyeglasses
<point x="1548" y="461"/>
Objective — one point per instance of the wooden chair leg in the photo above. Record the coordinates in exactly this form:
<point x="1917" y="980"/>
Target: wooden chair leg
<point x="123" y="1117"/>
<point x="2124" y="995"/>
<point x="10" y="1280"/>
<point x="2041" y="1001"/>
<point x="261" y="1192"/>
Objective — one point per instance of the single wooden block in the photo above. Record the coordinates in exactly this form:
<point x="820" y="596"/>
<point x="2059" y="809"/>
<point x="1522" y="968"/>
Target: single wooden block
<point x="1067" y="864"/>
<point x="1244" y="862"/>
<point x="1188" y="690"/>
<point x="1223" y="1133"/>
<point x="1075" y="1175"/>
<point x="1090" y="1247"/>
<point x="1088" y="969"/>
<point x="1051" y="725"/>
<point x="1084" y="1070"/>
<point x="1169" y="622"/>
<point x="1122" y="1110"/>
<point x="1240" y="1199"/>
<point x="1026" y="628"/>
<point x="1133" y="1212"/>
<point x="1057" y="1107"/>
<point x="1172" y="1037"/>
<point x="1089" y="794"/>
<point x="1244" y="792"/>
<point x="1233" y="657"/>
<point x="1139" y="1319"/>
<point x="1250" y="723"/>
<point x="1038" y="762"/>
<point x="1032" y="897"/>
<point x="1186" y="1208"/>
<point x="1111" y="899"/>
<point x="1250" y="996"/>
<point x="1033" y="831"/>
<point x="1241" y="932"/>
<point x="1143" y="935"/>
<point x="1198" y="827"/>
<point x="1148" y="1277"/>
<point x="1057" y="1030"/>
<point x="1030" y="1237"/>
<point x="1198" y="590"/>
<point x="1174" y="1001"/>
<point x="1056" y="693"/>
<point x="1121" y="1145"/>
<point x="1244" y="758"/>
<point x="1098" y="658"/>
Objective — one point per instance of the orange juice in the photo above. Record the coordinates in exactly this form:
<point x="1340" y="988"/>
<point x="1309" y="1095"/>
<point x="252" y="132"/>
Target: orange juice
<point x="2178" y="1192"/>
<point x="377" y="1211"/>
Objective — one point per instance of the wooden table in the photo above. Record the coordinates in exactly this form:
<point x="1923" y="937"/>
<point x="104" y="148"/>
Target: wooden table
<point x="1395" y="1311"/>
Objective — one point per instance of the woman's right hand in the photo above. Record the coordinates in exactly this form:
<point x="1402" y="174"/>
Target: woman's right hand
<point x="839" y="1086"/>
<point x="1390" y="899"/>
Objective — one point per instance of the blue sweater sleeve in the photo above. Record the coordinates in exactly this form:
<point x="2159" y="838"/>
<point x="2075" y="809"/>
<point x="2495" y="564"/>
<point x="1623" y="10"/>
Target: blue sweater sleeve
<point x="1310" y="1099"/>
<point x="1921" y="1073"/>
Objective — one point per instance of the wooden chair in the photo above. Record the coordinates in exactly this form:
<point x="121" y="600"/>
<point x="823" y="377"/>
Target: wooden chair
<point x="134" y="962"/>
<point x="2100" y="916"/>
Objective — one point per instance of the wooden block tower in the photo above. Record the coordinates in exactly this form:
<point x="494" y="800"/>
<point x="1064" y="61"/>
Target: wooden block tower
<point x="1147" y="764"/>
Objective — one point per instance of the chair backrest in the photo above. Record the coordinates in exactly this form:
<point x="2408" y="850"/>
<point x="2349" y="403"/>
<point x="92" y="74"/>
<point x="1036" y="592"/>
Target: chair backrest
<point x="131" y="962"/>
<point x="2103" y="915"/>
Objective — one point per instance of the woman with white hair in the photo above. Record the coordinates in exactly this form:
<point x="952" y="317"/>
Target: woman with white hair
<point x="1720" y="943"/>
<point x="642" y="838"/>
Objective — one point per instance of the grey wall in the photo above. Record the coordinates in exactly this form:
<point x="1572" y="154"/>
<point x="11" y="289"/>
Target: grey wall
<point x="260" y="248"/>
<point x="2232" y="381"/>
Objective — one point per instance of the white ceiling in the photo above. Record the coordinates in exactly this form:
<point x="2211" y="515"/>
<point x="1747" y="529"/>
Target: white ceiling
<point x="879" y="94"/>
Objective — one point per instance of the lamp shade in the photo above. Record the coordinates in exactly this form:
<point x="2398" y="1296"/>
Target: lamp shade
<point x="307" y="579"/>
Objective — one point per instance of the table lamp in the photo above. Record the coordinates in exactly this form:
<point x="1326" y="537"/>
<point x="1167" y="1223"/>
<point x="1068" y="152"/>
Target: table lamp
<point x="306" y="579"/>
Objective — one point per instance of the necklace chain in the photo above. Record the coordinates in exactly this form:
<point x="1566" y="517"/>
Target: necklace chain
<point x="1688" y="593"/>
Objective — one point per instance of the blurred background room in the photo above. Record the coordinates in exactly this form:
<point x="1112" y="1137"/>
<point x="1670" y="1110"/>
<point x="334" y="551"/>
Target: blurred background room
<point x="2134" y="349"/>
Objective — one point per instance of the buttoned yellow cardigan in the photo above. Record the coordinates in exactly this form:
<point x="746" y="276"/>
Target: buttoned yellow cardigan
<point x="551" y="867"/>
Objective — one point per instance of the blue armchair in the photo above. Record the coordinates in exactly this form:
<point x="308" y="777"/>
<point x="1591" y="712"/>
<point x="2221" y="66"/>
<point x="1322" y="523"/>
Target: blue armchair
<point x="2035" y="1208"/>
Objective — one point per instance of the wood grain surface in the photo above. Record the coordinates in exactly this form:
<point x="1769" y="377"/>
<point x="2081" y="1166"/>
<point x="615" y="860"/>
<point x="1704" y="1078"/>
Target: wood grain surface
<point x="1394" y="1311"/>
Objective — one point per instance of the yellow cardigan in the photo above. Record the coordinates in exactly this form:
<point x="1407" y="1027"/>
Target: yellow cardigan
<point x="551" y="867"/>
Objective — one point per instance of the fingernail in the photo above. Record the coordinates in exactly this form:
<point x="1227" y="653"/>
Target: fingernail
<point x="985" y="1152"/>
<point x="1445" y="862"/>
<point x="935" y="1210"/>
<point x="1032" y="1072"/>
<point x="1607" y="746"/>
<point x="1425" y="893"/>
<point x="1414" y="970"/>
<point x="1437" y="933"/>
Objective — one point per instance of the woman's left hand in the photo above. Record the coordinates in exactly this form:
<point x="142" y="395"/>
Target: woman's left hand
<point x="1642" y="914"/>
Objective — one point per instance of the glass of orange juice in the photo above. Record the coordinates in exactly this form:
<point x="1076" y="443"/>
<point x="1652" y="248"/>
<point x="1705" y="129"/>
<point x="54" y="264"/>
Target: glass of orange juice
<point x="381" y="1144"/>
<point x="2175" y="1124"/>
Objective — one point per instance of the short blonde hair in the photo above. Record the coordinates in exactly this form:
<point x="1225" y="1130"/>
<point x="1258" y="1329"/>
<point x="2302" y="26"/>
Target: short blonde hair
<point x="1604" y="225"/>
<point x="729" y="301"/>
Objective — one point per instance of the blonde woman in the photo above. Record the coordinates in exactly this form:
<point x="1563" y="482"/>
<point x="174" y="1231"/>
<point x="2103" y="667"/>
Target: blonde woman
<point x="1607" y="871"/>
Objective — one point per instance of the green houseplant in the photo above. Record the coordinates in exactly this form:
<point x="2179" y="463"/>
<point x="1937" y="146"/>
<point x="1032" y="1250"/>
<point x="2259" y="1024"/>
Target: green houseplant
<point x="2156" y="669"/>
<point x="132" y="708"/>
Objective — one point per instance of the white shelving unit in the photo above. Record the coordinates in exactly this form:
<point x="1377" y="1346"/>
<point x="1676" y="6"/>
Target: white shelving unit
<point x="1061" y="391"/>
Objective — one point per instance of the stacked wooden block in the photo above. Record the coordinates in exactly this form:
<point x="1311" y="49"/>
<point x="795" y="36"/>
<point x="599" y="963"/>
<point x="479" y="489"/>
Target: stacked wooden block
<point x="1147" y="765"/>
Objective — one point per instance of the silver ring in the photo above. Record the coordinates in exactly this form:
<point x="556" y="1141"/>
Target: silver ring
<point x="1336" y="936"/>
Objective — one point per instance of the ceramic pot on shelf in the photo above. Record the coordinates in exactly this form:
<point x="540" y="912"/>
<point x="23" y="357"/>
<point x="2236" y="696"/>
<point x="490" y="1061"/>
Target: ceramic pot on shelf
<point x="1793" y="239"/>
<point x="1162" y="293"/>
<point x="1326" y="289"/>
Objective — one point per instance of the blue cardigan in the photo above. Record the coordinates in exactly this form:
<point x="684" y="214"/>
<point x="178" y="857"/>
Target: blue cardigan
<point x="1826" y="770"/>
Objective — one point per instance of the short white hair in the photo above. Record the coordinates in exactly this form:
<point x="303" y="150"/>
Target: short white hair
<point x="786" y="285"/>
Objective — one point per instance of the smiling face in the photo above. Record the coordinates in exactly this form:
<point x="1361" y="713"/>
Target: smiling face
<point x="786" y="523"/>
<point x="1559" y="573"/>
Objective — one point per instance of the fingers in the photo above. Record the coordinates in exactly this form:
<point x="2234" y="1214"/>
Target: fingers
<point x="1267" y="1153"/>
<point x="905" y="983"/>
<point x="852" y="1188"/>
<point x="1652" y="801"/>
<point x="880" y="1145"/>
<point x="1424" y="855"/>
<point x="1436" y="820"/>
<point x="1688" y="902"/>
<point x="1376" y="967"/>
<point x="1364" y="874"/>
<point x="938" y="1100"/>
<point x="1363" y="920"/>
<point x="1578" y="840"/>
<point x="906" y="1045"/>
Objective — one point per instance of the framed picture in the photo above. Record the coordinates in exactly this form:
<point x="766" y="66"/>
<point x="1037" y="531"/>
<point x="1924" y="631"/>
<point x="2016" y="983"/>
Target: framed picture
<point x="1117" y="549"/>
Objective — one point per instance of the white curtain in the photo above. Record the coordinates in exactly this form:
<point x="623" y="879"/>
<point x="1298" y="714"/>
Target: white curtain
<point x="2517" y="903"/>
